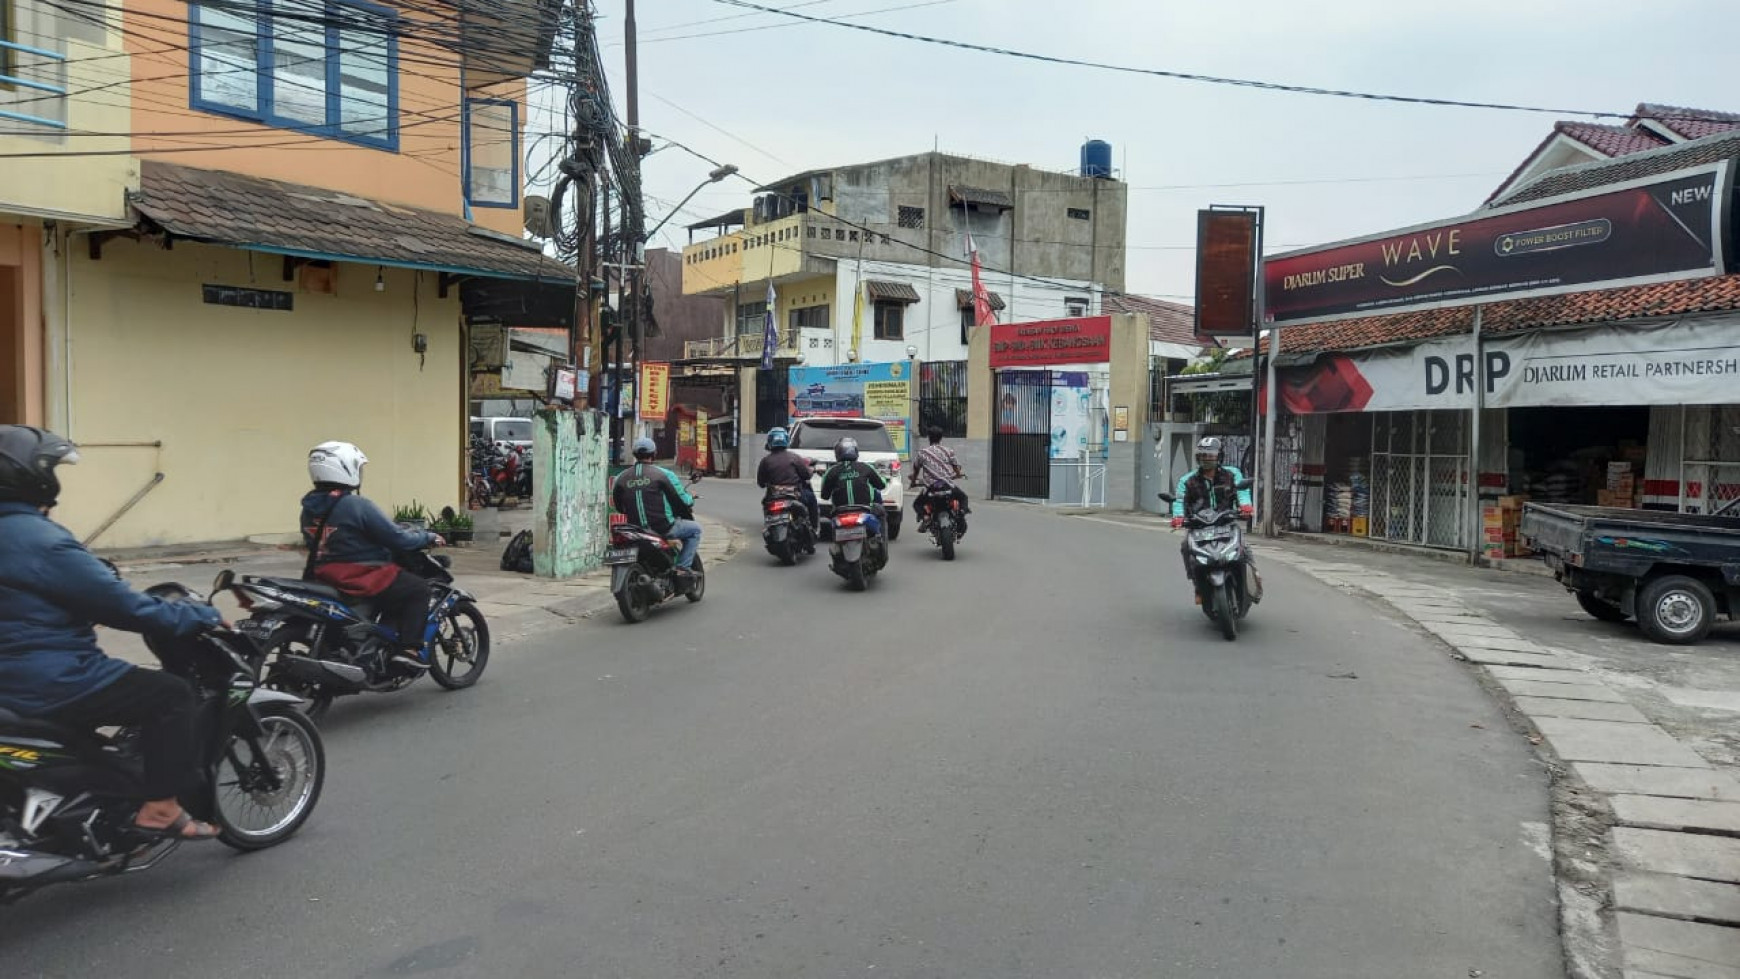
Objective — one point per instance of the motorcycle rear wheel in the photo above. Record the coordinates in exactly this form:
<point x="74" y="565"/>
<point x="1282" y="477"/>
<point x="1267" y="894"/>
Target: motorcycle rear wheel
<point x="460" y="643"/>
<point x="855" y="578"/>
<point x="697" y="589"/>
<point x="291" y="745"/>
<point x="945" y="536"/>
<point x="632" y="600"/>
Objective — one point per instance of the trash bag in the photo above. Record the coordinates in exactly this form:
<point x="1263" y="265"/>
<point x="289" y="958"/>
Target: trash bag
<point x="517" y="556"/>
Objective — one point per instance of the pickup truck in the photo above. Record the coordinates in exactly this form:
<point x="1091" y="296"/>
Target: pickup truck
<point x="1674" y="572"/>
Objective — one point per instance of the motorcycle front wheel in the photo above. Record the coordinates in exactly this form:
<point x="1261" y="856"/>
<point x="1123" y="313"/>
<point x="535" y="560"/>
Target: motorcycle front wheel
<point x="262" y="798"/>
<point x="1225" y="612"/>
<point x="461" y="648"/>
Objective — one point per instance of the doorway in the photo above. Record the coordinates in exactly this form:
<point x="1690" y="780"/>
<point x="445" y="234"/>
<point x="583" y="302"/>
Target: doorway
<point x="1021" y="444"/>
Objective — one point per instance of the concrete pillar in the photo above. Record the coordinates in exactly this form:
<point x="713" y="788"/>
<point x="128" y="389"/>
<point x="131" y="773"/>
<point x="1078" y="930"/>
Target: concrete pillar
<point x="570" y="491"/>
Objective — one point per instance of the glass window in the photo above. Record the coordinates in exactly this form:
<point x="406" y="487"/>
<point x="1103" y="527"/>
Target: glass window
<point x="1075" y="306"/>
<point x="890" y="321"/>
<point x="492" y="141"/>
<point x="513" y="430"/>
<point x="815" y="434"/>
<point x="751" y="318"/>
<point x="316" y="66"/>
<point x="809" y="318"/>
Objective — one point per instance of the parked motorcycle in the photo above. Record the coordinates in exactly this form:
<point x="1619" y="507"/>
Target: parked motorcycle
<point x="322" y="644"/>
<point x="947" y="523"/>
<point x="786" y="527"/>
<point x="1226" y="585"/>
<point x="858" y="549"/>
<point x="499" y="471"/>
<point x="643" y="570"/>
<point x="68" y="797"/>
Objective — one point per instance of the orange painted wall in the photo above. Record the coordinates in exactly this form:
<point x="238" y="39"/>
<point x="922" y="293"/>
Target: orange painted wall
<point x="425" y="172"/>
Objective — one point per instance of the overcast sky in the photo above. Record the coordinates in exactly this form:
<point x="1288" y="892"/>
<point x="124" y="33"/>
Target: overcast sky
<point x="783" y="100"/>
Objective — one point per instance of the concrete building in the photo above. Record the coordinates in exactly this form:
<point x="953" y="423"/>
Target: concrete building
<point x="292" y="273"/>
<point x="892" y="235"/>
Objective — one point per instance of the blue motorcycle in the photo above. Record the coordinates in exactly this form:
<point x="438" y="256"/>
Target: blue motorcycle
<point x="320" y="644"/>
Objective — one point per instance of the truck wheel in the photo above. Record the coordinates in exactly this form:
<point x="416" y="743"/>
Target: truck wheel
<point x="1600" y="607"/>
<point x="1676" y="610"/>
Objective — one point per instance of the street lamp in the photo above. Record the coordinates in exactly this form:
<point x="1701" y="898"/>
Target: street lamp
<point x="911" y="352"/>
<point x="713" y="176"/>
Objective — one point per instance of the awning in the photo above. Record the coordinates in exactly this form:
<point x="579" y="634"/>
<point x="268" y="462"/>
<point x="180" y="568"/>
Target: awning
<point x="1207" y="383"/>
<point x="879" y="291"/>
<point x="240" y="211"/>
<point x="964" y="299"/>
<point x="981" y="197"/>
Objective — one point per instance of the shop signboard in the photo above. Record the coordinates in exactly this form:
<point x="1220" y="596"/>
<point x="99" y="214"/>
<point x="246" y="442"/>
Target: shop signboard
<point x="1655" y="229"/>
<point x="1686" y="361"/>
<point x="1079" y="340"/>
<point x="655" y="391"/>
<point x="880" y="391"/>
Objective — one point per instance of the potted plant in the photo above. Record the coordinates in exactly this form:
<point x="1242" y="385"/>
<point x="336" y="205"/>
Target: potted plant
<point x="413" y="514"/>
<point x="453" y="525"/>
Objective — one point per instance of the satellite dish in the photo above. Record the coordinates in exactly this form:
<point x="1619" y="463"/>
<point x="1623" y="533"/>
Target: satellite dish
<point x="537" y="214"/>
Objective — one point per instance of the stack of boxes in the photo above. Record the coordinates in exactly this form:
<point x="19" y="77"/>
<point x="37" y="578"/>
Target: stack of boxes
<point x="1622" y="486"/>
<point x="1499" y="526"/>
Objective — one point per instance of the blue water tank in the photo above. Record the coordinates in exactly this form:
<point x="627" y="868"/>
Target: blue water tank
<point x="1096" y="159"/>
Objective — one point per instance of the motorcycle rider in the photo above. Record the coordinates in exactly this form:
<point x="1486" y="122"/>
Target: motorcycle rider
<point x="653" y="497"/>
<point x="52" y="592"/>
<point x="1216" y="486"/>
<point x="351" y="543"/>
<point x="852" y="483"/>
<point x="782" y="468"/>
<point x="935" y="462"/>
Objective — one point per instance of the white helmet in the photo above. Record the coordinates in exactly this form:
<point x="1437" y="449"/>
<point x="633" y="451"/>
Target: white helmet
<point x="336" y="462"/>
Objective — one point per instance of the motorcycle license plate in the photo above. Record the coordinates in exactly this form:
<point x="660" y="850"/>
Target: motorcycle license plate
<point x="850" y="533"/>
<point x="774" y="519"/>
<point x="622" y="555"/>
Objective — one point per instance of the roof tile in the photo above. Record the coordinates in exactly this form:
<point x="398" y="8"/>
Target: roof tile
<point x="1167" y="322"/>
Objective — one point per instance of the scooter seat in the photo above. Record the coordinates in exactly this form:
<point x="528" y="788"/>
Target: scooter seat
<point x="299" y="584"/>
<point x="14" y="723"/>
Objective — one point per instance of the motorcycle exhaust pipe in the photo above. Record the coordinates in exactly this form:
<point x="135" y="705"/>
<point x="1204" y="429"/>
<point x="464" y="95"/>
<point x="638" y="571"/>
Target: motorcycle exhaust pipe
<point x="311" y="670"/>
<point x="21" y="866"/>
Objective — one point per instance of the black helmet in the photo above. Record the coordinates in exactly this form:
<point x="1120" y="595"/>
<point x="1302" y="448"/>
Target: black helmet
<point x="846" y="450"/>
<point x="27" y="460"/>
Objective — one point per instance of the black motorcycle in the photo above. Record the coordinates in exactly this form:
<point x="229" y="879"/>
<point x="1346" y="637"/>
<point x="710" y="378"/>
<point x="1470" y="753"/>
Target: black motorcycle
<point x="643" y="570"/>
<point x="68" y="797"/>
<point x="1226" y="585"/>
<point x="947" y="523"/>
<point x="786" y="527"/>
<point x="858" y="549"/>
<point x="322" y="644"/>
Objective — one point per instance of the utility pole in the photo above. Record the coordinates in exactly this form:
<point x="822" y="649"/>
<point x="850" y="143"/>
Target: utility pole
<point x="633" y="213"/>
<point x="581" y="167"/>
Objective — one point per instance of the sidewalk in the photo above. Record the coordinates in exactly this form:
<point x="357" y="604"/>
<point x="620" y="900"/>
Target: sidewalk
<point x="516" y="605"/>
<point x="1642" y="741"/>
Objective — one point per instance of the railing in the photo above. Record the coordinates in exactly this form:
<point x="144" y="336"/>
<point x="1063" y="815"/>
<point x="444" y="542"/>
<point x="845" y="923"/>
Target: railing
<point x="11" y="47"/>
<point x="747" y="346"/>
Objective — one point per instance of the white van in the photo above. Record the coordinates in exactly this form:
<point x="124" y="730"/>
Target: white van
<point x="516" y="432"/>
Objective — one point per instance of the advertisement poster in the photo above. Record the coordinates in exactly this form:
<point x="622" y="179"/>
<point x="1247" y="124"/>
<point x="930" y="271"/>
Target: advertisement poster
<point x="1024" y="403"/>
<point x="1071" y="414"/>
<point x="880" y="391"/>
<point x="1651" y="230"/>
<point x="655" y="391"/>
<point x="703" y="442"/>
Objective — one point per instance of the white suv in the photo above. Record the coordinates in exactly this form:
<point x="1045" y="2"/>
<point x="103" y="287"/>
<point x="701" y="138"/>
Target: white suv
<point x="814" y="438"/>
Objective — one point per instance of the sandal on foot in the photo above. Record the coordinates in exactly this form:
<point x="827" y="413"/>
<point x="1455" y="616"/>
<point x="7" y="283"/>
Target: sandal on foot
<point x="178" y="830"/>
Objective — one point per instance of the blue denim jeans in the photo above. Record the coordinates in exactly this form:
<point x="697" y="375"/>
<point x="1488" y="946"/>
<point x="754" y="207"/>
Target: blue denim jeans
<point x="689" y="532"/>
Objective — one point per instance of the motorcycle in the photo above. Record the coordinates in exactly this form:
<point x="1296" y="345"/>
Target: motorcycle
<point x="321" y="644"/>
<point x="1222" y="576"/>
<point x="858" y="549"/>
<point x="68" y="796"/>
<point x="786" y="527"/>
<point x="643" y="570"/>
<point x="499" y="471"/>
<point x="947" y="523"/>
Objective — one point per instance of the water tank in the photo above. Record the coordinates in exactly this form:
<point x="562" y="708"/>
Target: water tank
<point x="1096" y="159"/>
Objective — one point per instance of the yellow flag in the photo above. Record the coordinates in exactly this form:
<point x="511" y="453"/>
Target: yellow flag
<point x="858" y="317"/>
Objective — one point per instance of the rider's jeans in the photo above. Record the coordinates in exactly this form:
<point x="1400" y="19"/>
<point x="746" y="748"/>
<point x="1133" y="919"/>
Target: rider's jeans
<point x="689" y="532"/>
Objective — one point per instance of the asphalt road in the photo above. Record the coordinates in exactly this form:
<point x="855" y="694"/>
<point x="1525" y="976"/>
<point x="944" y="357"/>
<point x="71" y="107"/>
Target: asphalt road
<point x="1039" y="761"/>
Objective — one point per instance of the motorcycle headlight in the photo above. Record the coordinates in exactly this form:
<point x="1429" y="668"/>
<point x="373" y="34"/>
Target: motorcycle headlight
<point x="1202" y="557"/>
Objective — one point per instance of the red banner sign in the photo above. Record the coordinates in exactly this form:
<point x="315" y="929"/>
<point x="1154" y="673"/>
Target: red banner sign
<point x="1086" y="340"/>
<point x="1652" y="230"/>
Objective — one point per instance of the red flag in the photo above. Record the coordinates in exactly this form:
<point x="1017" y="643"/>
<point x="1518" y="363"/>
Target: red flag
<point x="983" y="314"/>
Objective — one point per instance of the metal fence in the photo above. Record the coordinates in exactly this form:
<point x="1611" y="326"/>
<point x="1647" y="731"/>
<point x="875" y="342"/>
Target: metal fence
<point x="1419" y="477"/>
<point x="942" y="397"/>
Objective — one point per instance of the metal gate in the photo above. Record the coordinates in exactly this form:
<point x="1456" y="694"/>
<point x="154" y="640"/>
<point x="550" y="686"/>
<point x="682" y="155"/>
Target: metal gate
<point x="1419" y="485"/>
<point x="1021" y="444"/>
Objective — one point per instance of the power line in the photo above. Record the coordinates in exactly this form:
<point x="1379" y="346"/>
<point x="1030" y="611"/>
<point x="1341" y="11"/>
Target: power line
<point x="775" y="27"/>
<point x="1180" y="75"/>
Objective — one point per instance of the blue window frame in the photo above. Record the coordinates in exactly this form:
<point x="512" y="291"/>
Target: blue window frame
<point x="491" y="153"/>
<point x="323" y="67"/>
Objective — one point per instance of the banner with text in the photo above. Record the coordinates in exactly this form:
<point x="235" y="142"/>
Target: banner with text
<point x="655" y="391"/>
<point x="880" y="391"/>
<point x="1677" y="362"/>
<point x="1084" y="340"/>
<point x="1653" y="230"/>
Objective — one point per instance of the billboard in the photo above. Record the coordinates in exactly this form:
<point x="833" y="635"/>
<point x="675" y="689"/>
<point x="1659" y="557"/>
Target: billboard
<point x="1663" y="363"/>
<point x="1080" y="340"/>
<point x="1226" y="273"/>
<point x="880" y="391"/>
<point x="655" y="391"/>
<point x="1652" y="230"/>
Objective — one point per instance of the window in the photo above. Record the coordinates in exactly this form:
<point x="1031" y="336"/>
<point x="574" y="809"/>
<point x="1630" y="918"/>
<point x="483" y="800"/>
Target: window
<point x="318" y="66"/>
<point x="1080" y="213"/>
<point x="1075" y="306"/>
<point x="890" y="321"/>
<point x="751" y="318"/>
<point x="6" y="65"/>
<point x="822" y="433"/>
<point x="968" y="315"/>
<point x="492" y="153"/>
<point x="911" y="217"/>
<point x="809" y="318"/>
